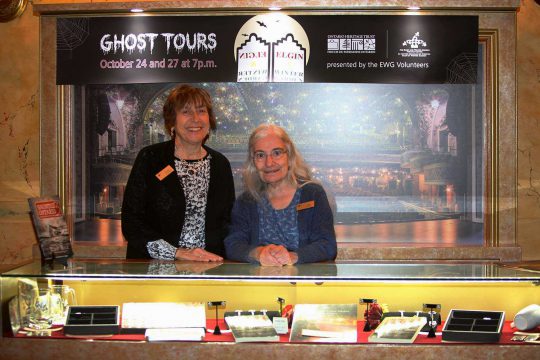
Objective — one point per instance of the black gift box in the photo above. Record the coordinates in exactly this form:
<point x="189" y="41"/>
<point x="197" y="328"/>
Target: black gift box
<point x="92" y="320"/>
<point x="473" y="326"/>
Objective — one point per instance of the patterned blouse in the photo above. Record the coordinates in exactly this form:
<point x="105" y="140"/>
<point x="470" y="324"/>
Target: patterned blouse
<point x="279" y="227"/>
<point x="195" y="178"/>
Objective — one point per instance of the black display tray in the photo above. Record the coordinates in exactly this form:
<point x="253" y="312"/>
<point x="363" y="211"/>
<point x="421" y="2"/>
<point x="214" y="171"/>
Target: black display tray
<point x="92" y="320"/>
<point x="473" y="326"/>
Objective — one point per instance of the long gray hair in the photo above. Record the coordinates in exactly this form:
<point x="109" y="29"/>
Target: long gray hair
<point x="297" y="174"/>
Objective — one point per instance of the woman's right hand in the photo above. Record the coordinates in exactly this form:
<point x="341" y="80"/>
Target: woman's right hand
<point x="196" y="254"/>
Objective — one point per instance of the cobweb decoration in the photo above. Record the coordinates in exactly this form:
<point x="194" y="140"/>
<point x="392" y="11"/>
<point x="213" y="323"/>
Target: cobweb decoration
<point x="462" y="69"/>
<point x="71" y="33"/>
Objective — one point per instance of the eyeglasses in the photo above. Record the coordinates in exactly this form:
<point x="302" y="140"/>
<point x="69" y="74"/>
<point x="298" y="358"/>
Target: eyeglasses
<point x="275" y="154"/>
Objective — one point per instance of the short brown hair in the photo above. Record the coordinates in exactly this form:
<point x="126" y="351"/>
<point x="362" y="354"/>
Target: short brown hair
<point x="181" y="96"/>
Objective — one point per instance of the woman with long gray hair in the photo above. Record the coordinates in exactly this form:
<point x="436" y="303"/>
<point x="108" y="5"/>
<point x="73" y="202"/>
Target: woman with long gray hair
<point x="283" y="217"/>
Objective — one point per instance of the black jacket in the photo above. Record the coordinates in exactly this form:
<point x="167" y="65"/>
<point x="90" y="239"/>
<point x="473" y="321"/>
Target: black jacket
<point x="154" y="209"/>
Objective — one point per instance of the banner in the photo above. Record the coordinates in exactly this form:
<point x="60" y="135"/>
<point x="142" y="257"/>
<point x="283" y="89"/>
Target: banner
<point x="270" y="47"/>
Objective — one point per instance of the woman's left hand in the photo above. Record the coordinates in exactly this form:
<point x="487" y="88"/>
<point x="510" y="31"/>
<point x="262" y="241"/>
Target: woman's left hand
<point x="197" y="254"/>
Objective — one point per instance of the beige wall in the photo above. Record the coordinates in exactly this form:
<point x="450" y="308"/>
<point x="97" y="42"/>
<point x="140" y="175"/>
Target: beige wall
<point x="19" y="132"/>
<point x="528" y="72"/>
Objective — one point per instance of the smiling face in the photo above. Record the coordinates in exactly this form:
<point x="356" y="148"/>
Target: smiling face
<point x="272" y="164"/>
<point x="178" y="111"/>
<point x="192" y="124"/>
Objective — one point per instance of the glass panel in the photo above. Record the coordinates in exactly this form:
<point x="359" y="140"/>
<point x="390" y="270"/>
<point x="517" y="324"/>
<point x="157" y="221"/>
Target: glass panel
<point x="402" y="164"/>
<point x="340" y="271"/>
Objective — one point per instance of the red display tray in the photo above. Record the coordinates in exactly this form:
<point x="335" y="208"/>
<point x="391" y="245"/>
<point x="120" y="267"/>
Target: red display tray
<point x="506" y="335"/>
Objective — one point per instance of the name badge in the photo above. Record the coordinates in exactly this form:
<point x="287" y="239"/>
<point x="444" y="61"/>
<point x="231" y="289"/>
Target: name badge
<point x="306" y="205"/>
<point x="165" y="172"/>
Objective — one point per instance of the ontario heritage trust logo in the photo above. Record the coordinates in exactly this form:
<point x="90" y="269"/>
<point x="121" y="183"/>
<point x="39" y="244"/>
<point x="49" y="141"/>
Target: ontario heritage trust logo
<point x="351" y="44"/>
<point x="271" y="48"/>
<point x="414" y="47"/>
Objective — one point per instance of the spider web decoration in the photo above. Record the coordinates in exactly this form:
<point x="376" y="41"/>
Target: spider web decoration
<point x="71" y="33"/>
<point x="462" y="69"/>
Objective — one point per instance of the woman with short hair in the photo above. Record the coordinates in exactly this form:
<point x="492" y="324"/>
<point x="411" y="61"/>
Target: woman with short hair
<point x="179" y="195"/>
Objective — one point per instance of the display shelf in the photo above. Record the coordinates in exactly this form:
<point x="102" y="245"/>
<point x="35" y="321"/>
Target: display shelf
<point x="226" y="336"/>
<point x="223" y="347"/>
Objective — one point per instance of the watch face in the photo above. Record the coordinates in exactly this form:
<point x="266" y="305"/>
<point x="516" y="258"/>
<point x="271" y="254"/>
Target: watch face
<point x="10" y="9"/>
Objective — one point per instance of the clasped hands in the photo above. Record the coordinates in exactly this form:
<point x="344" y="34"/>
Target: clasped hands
<point x="197" y="254"/>
<point x="275" y="255"/>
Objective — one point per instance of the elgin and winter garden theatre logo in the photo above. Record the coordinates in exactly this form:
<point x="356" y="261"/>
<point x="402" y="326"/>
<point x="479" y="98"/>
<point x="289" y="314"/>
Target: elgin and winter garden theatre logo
<point x="414" y="47"/>
<point x="271" y="48"/>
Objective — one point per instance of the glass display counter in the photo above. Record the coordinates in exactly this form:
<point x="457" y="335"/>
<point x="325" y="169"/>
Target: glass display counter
<point x="339" y="271"/>
<point x="403" y="286"/>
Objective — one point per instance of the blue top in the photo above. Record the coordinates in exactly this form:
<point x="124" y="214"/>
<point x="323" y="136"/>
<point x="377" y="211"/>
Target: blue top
<point x="315" y="222"/>
<point x="279" y="227"/>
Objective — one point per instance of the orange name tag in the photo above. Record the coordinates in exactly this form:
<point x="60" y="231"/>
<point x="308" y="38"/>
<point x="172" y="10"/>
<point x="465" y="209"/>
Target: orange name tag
<point x="165" y="172"/>
<point x="306" y="205"/>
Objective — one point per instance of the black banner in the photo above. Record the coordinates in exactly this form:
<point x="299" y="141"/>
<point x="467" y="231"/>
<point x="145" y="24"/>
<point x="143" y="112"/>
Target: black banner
<point x="267" y="48"/>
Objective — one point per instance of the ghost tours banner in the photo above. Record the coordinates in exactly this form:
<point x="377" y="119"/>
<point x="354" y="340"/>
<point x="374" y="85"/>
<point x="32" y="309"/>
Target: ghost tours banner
<point x="270" y="47"/>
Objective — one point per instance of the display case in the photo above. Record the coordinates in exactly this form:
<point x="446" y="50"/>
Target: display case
<point x="401" y="286"/>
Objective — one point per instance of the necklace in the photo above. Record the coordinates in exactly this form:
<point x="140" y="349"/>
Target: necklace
<point x="190" y="168"/>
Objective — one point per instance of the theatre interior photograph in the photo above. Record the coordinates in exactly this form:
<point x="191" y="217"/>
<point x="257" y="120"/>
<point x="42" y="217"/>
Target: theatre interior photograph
<point x="272" y="179"/>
